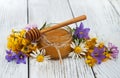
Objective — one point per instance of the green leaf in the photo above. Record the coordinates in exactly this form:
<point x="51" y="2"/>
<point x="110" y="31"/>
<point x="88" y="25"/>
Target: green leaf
<point x="43" y="26"/>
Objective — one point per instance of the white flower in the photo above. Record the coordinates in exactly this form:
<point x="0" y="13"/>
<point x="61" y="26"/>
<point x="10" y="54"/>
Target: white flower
<point x="78" y="50"/>
<point x="39" y="55"/>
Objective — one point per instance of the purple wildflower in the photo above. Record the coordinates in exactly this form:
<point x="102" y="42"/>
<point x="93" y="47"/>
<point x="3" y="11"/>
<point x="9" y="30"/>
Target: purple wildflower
<point x="98" y="54"/>
<point x="113" y="49"/>
<point x="29" y="26"/>
<point x="20" y="58"/>
<point x="81" y="32"/>
<point x="10" y="56"/>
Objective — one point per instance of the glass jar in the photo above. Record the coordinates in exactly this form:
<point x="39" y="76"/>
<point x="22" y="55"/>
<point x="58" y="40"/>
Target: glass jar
<point x="57" y="42"/>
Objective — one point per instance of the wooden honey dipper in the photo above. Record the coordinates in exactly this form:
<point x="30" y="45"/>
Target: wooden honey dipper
<point x="34" y="34"/>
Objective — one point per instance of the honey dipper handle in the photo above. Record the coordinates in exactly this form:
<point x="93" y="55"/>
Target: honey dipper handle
<point x="65" y="23"/>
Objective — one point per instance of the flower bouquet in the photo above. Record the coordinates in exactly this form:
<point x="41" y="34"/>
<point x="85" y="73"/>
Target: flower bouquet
<point x="82" y="46"/>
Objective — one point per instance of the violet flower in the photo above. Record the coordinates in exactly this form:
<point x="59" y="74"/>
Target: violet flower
<point x="20" y="58"/>
<point x="81" y="32"/>
<point x="98" y="54"/>
<point x="10" y="56"/>
<point x="113" y="49"/>
<point x="30" y="26"/>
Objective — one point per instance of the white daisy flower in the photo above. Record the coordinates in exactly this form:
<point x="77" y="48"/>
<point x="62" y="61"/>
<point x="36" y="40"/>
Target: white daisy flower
<point x="39" y="55"/>
<point x="78" y="50"/>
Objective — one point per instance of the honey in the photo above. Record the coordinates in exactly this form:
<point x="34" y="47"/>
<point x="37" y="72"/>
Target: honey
<point x="55" y="41"/>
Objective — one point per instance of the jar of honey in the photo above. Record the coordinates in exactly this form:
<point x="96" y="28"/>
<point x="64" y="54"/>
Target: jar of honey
<point x="57" y="42"/>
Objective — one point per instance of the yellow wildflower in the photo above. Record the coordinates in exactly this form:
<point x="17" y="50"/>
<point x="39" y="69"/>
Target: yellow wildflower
<point x="101" y="45"/>
<point x="25" y="49"/>
<point x="108" y="56"/>
<point x="25" y="42"/>
<point x="90" y="50"/>
<point x="10" y="41"/>
<point x="32" y="47"/>
<point x="91" y="43"/>
<point x="16" y="40"/>
<point x="90" y="61"/>
<point x="22" y="33"/>
<point x="29" y="48"/>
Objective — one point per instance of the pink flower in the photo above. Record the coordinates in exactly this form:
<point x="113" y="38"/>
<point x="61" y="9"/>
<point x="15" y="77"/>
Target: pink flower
<point x="113" y="49"/>
<point x="30" y="26"/>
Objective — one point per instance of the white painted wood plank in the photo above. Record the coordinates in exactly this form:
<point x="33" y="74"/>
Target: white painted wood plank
<point x="116" y="5"/>
<point x="12" y="15"/>
<point x="104" y="22"/>
<point x="55" y="11"/>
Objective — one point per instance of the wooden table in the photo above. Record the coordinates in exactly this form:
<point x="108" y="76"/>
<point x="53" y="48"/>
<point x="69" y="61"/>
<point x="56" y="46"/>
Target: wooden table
<point x="103" y="20"/>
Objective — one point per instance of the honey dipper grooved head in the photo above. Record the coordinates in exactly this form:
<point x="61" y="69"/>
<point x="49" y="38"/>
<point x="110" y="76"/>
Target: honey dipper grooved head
<point x="32" y="34"/>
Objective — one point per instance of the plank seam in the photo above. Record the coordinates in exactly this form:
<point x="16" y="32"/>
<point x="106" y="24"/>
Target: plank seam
<point x="76" y="25"/>
<point x="93" y="72"/>
<point x="71" y="10"/>
<point x="28" y="23"/>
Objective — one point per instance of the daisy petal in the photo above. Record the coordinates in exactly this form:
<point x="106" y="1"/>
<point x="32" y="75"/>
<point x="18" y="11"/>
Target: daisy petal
<point x="38" y="52"/>
<point x="71" y="54"/>
<point x="80" y="56"/>
<point x="72" y="45"/>
<point x="76" y="42"/>
<point x="77" y="56"/>
<point x="82" y="53"/>
<point x="44" y="52"/>
<point x="33" y="55"/>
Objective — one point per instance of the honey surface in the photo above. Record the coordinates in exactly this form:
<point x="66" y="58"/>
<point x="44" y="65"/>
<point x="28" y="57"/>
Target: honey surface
<point x="58" y="35"/>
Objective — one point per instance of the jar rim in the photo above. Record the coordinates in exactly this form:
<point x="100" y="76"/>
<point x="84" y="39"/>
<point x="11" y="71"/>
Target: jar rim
<point x="67" y="28"/>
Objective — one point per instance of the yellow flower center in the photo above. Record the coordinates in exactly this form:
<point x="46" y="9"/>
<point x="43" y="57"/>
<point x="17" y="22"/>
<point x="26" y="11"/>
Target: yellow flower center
<point x="77" y="49"/>
<point x="21" y="56"/>
<point x="96" y="54"/>
<point x="40" y="58"/>
<point x="81" y="32"/>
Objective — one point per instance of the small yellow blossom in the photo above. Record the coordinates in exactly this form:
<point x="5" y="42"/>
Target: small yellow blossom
<point x="90" y="61"/>
<point x="16" y="40"/>
<point x="91" y="43"/>
<point x="25" y="42"/>
<point x="108" y="56"/>
<point x="29" y="48"/>
<point x="22" y="33"/>
<point x="25" y="50"/>
<point x="101" y="45"/>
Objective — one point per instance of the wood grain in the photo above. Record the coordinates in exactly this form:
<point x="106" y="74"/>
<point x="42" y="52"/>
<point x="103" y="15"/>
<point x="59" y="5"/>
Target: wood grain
<point x="12" y="15"/>
<point x="52" y="12"/>
<point x="104" y="22"/>
<point x="103" y="18"/>
<point x="116" y="5"/>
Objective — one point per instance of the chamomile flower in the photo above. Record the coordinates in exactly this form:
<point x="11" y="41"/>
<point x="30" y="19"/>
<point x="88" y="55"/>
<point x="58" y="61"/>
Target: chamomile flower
<point x="78" y="50"/>
<point x="39" y="55"/>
